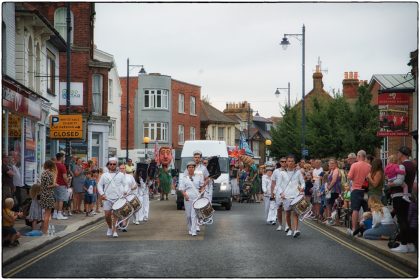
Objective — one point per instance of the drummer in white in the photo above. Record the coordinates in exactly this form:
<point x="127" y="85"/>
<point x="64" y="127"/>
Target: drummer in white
<point x="292" y="184"/>
<point x="111" y="186"/>
<point x="131" y="186"/>
<point x="190" y="186"/>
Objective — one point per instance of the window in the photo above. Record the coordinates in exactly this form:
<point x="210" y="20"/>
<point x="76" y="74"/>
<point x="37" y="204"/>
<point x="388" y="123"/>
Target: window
<point x="156" y="131"/>
<point x="192" y="133"/>
<point x="221" y="133"/>
<point x="60" y="23"/>
<point x="110" y="90"/>
<point x="97" y="94"/>
<point x="180" y="134"/>
<point x="192" y="106"/>
<point x="112" y="128"/>
<point x="213" y="134"/>
<point x="50" y="72"/>
<point x="181" y="103"/>
<point x="156" y="99"/>
<point x="228" y="136"/>
<point x="255" y="147"/>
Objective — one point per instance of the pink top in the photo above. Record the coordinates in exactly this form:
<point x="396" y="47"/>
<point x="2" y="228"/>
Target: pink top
<point x="392" y="170"/>
<point x="358" y="173"/>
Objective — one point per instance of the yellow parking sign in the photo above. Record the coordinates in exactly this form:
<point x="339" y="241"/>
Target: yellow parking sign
<point x="66" y="126"/>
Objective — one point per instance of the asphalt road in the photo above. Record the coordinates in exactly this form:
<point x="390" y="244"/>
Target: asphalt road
<point x="239" y="244"/>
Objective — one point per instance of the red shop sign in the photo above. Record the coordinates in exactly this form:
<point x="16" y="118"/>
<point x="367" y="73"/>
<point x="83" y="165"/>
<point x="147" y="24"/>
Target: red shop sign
<point x="393" y="98"/>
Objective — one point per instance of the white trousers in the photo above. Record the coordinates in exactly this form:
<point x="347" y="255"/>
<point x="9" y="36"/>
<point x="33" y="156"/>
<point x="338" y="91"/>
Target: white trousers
<point x="209" y="193"/>
<point x="191" y="216"/>
<point x="266" y="206"/>
<point x="144" y="211"/>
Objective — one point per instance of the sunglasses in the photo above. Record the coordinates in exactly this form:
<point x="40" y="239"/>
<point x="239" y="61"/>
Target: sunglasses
<point x="112" y="164"/>
<point x="283" y="161"/>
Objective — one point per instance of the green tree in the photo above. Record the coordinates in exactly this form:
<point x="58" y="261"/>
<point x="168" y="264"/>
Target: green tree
<point x="365" y="123"/>
<point x="286" y="134"/>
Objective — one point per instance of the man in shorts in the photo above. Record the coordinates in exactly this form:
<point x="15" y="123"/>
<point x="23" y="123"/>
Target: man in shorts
<point x="358" y="173"/>
<point x="60" y="192"/>
<point x="292" y="185"/>
<point x="111" y="187"/>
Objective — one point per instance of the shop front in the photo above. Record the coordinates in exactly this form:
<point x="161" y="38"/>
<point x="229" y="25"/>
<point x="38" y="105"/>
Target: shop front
<point x="23" y="129"/>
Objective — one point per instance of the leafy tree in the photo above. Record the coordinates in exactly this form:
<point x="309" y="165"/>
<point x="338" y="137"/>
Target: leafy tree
<point x="286" y="134"/>
<point x="365" y="123"/>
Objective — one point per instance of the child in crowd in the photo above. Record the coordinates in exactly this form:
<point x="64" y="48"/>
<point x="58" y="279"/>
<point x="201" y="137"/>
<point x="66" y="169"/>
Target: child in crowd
<point x="392" y="170"/>
<point x="308" y="186"/>
<point x="365" y="223"/>
<point x="89" y="187"/>
<point x="68" y="202"/>
<point x="324" y="181"/>
<point x="35" y="211"/>
<point x="346" y="196"/>
<point x="10" y="235"/>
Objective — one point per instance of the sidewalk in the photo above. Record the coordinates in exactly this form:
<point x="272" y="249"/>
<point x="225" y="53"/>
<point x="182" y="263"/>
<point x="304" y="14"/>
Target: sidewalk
<point x="380" y="246"/>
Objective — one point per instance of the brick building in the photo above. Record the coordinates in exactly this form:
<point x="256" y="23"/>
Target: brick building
<point x="89" y="77"/>
<point x="161" y="108"/>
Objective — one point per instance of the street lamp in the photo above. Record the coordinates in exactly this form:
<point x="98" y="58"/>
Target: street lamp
<point x="277" y="93"/>
<point x="285" y="43"/>
<point x="146" y="141"/>
<point x="267" y="153"/>
<point x="142" y="71"/>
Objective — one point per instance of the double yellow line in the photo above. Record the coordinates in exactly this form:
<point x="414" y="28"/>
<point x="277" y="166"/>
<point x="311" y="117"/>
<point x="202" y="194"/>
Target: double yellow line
<point x="378" y="261"/>
<point x="39" y="257"/>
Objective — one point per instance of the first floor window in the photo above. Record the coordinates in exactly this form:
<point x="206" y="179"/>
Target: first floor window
<point x="50" y="72"/>
<point x="156" y="131"/>
<point x="180" y="134"/>
<point x="97" y="94"/>
<point x="156" y="99"/>
<point x="192" y="133"/>
<point x="192" y="106"/>
<point x="112" y="128"/>
<point x="221" y="133"/>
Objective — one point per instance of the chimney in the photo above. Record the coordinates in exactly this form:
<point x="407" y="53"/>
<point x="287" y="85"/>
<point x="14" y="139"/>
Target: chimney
<point x="318" y="84"/>
<point x="350" y="85"/>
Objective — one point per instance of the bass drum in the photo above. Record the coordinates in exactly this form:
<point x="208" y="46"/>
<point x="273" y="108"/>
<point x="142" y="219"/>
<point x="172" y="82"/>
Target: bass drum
<point x="122" y="209"/>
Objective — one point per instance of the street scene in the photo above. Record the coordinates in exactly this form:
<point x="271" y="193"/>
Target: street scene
<point x="209" y="140"/>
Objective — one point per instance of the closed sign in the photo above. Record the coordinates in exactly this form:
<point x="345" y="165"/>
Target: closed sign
<point x="66" y="126"/>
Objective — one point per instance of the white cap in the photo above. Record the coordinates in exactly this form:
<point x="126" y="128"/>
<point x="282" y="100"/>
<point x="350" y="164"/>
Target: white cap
<point x="113" y="159"/>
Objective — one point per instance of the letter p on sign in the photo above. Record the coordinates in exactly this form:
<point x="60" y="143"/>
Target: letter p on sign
<point x="55" y="120"/>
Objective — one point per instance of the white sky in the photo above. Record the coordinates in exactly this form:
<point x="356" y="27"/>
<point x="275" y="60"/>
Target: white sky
<point x="232" y="50"/>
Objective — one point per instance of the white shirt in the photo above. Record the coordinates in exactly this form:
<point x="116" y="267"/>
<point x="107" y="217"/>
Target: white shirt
<point x="316" y="175"/>
<point x="200" y="170"/>
<point x="191" y="187"/>
<point x="113" y="185"/>
<point x="266" y="185"/>
<point x="378" y="218"/>
<point x="290" y="181"/>
<point x="130" y="181"/>
<point x="276" y="178"/>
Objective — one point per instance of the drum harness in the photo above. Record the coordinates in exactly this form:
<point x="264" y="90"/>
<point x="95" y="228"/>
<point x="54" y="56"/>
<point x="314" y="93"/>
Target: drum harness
<point x="290" y="179"/>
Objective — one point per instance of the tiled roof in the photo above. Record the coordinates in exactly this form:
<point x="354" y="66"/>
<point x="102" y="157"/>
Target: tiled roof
<point x="258" y="118"/>
<point x="210" y="114"/>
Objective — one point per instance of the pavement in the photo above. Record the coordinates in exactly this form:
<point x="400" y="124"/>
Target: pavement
<point x="79" y="221"/>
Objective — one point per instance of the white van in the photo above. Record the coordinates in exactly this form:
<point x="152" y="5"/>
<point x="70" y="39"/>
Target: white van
<point x="222" y="192"/>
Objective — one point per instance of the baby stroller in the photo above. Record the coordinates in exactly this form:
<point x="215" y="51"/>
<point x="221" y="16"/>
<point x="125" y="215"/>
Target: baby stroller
<point x="246" y="192"/>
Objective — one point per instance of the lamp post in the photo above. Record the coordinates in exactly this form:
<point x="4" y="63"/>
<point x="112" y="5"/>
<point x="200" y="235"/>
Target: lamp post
<point x="285" y="43"/>
<point x="142" y="71"/>
<point x="146" y="141"/>
<point x="277" y="93"/>
<point x="267" y="152"/>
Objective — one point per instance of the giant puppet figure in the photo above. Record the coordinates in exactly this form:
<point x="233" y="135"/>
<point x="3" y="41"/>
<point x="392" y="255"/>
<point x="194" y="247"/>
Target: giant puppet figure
<point x="164" y="177"/>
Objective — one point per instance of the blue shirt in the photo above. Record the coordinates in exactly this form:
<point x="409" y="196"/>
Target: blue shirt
<point x="88" y="183"/>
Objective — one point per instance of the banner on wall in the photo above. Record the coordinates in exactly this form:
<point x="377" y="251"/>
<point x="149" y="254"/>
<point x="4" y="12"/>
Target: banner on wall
<point x="76" y="94"/>
<point x="30" y="152"/>
<point x="393" y="114"/>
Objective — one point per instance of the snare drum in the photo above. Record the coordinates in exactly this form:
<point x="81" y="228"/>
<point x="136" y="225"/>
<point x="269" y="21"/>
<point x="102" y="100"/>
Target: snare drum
<point x="301" y="207"/>
<point x="134" y="202"/>
<point x="122" y="209"/>
<point x="203" y="208"/>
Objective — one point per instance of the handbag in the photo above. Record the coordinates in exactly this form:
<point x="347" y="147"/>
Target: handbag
<point x="365" y="185"/>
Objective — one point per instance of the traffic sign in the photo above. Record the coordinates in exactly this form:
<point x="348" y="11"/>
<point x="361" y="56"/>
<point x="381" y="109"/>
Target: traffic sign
<point x="305" y="152"/>
<point x="66" y="126"/>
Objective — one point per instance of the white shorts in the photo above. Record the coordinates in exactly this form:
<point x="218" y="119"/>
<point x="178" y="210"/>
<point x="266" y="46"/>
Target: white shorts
<point x="107" y="205"/>
<point x="279" y="201"/>
<point x="287" y="204"/>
